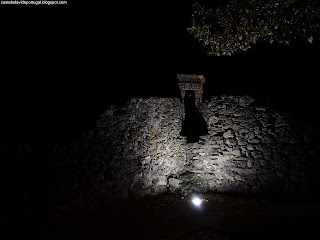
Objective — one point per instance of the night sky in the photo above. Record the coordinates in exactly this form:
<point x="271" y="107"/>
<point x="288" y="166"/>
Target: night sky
<point x="63" y="65"/>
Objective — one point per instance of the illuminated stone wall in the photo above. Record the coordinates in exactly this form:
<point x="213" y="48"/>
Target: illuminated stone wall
<point x="249" y="149"/>
<point x="137" y="150"/>
<point x="134" y="150"/>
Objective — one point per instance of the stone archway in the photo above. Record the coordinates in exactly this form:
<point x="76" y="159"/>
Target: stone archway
<point x="192" y="82"/>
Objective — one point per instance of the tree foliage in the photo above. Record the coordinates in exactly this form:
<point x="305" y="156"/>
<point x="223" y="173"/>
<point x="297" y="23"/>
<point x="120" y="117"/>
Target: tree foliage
<point x="241" y="23"/>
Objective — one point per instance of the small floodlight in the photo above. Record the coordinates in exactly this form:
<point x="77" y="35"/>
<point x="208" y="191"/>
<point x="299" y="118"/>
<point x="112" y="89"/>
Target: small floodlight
<point x="196" y="201"/>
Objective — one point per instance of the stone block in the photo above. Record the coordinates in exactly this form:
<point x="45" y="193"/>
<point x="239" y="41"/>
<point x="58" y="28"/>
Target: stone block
<point x="173" y="182"/>
<point x="228" y="134"/>
<point x="231" y="141"/>
<point x="254" y="141"/>
<point x="197" y="151"/>
<point x="245" y="171"/>
<point x="238" y="177"/>
<point x="225" y="157"/>
<point x="215" y="146"/>
<point x="235" y="152"/>
<point x="215" y="161"/>
<point x="242" y="141"/>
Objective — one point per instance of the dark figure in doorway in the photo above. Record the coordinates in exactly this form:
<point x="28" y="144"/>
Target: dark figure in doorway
<point x="193" y="126"/>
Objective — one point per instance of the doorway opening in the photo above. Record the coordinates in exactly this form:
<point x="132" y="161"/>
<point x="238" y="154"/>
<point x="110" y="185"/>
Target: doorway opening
<point x="193" y="125"/>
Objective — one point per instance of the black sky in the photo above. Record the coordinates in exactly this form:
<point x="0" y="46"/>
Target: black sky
<point x="64" y="65"/>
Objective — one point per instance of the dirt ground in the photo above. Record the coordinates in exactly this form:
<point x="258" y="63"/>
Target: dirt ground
<point x="171" y="217"/>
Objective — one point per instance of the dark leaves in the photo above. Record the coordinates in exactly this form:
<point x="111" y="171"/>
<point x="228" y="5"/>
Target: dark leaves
<point x="241" y="24"/>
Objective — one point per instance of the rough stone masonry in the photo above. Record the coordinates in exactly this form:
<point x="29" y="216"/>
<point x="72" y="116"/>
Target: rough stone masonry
<point x="137" y="150"/>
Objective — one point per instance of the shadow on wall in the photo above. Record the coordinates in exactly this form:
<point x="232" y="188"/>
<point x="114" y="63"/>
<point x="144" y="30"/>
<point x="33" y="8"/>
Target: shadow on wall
<point x="194" y="125"/>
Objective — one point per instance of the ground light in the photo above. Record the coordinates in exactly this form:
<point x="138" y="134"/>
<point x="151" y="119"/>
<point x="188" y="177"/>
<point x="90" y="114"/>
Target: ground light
<point x="196" y="201"/>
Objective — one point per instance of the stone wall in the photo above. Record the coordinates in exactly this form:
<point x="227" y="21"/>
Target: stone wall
<point x="137" y="150"/>
<point x="249" y="149"/>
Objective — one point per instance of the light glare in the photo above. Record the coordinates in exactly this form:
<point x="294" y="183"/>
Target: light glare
<point x="196" y="201"/>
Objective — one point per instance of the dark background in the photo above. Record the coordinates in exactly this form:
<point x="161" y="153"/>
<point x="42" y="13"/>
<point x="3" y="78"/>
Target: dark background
<point x="63" y="65"/>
